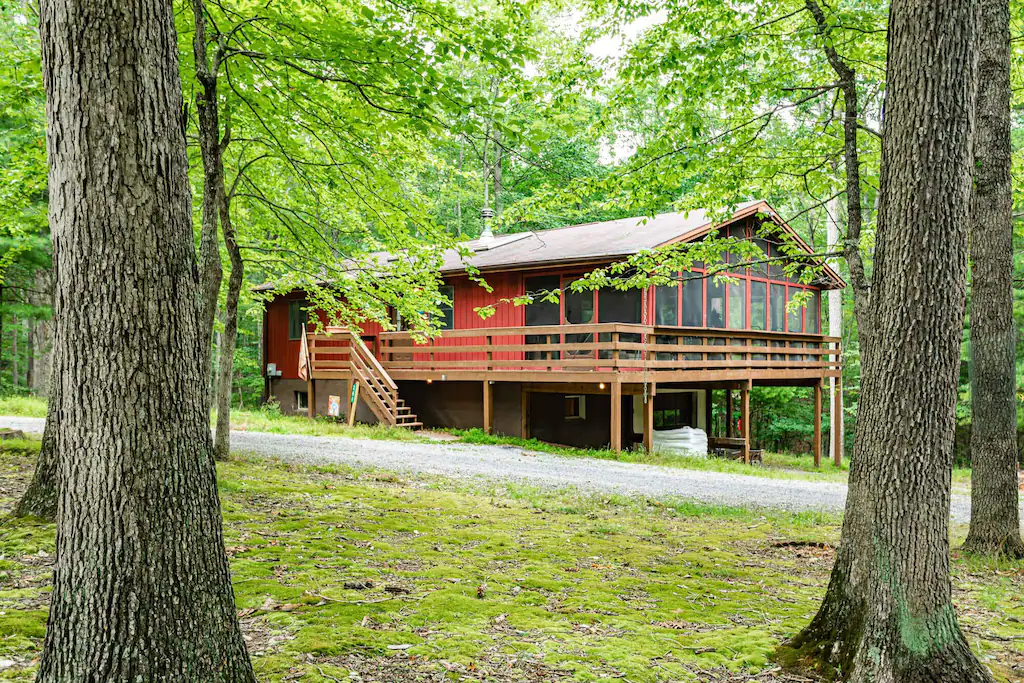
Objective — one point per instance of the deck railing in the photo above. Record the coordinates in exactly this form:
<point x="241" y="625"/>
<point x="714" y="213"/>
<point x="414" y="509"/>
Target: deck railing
<point x="611" y="347"/>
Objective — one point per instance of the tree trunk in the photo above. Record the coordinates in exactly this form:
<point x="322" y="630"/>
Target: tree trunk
<point x="835" y="329"/>
<point x="141" y="588"/>
<point x="222" y="443"/>
<point x="40" y="499"/>
<point x="211" y="272"/>
<point x="30" y="354"/>
<point x="15" y="374"/>
<point x="995" y="517"/>
<point x="887" y="615"/>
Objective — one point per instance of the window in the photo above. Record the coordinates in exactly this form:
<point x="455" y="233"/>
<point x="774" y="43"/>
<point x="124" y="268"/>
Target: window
<point x="738" y="305"/>
<point x="777" y="306"/>
<point x="673" y="410"/>
<point x="666" y="305"/>
<point x="796" y="316"/>
<point x="301" y="400"/>
<point x="758" y="305"/>
<point x="296" y="318"/>
<point x="575" y="407"/>
<point x="761" y="269"/>
<point x="716" y="304"/>
<point x="813" y="313"/>
<point x="447" y="307"/>
<point x="693" y="302"/>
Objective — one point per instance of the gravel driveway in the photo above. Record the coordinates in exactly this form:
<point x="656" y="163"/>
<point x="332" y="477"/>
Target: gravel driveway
<point x="508" y="463"/>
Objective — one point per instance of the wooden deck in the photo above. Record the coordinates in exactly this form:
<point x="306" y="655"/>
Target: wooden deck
<point x="611" y="352"/>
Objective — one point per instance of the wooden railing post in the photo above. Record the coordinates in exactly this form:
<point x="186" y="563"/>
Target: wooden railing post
<point x="616" y="416"/>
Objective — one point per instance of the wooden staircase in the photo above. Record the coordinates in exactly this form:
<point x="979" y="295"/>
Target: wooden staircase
<point x="375" y="386"/>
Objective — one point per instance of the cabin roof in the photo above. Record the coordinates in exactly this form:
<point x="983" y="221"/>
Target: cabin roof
<point x="602" y="241"/>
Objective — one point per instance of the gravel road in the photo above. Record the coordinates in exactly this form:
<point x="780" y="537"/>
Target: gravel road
<point x="511" y="464"/>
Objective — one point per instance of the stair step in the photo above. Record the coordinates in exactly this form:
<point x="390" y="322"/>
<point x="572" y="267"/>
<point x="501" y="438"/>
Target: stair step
<point x="410" y="425"/>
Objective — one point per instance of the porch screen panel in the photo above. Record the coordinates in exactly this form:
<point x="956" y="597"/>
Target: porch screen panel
<point x="579" y="310"/>
<point x="778" y="308"/>
<point x="693" y="302"/>
<point x="796" y="317"/>
<point x="542" y="313"/>
<point x="813" y="313"/>
<point x="758" y="305"/>
<point x="738" y="305"/>
<point x="716" y="304"/>
<point x="620" y="306"/>
<point x="666" y="305"/>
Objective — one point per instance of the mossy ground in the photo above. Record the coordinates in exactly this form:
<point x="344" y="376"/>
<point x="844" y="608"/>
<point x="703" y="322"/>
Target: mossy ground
<point x="483" y="581"/>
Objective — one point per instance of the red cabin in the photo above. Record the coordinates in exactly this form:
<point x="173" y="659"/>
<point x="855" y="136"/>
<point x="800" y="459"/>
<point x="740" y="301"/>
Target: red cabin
<point x="602" y="368"/>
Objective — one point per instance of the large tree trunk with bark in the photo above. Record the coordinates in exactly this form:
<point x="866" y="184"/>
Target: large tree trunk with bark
<point x="222" y="441"/>
<point x="995" y="517"/>
<point x="142" y="590"/>
<point x="887" y="615"/>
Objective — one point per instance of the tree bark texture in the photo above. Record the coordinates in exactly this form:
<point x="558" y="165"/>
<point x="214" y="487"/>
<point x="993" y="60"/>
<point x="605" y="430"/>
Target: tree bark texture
<point x="40" y="498"/>
<point x="222" y="441"/>
<point x="142" y="590"/>
<point x="995" y="517"/>
<point x="887" y="615"/>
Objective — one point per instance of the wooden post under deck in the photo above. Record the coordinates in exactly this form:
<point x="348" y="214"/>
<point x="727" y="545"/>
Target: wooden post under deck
<point x="616" y="417"/>
<point x="488" y="407"/>
<point x="837" y="416"/>
<point x="708" y="405"/>
<point x="310" y="397"/>
<point x="524" y="430"/>
<point x="649" y="425"/>
<point x="728" y="414"/>
<point x="745" y="420"/>
<point x="817" y="424"/>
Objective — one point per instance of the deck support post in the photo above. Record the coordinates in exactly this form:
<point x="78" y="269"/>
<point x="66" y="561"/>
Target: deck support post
<point x="728" y="414"/>
<point x="310" y="397"/>
<point x="616" y="417"/>
<point x="649" y="424"/>
<point x="745" y="419"/>
<point x="524" y="430"/>
<point x="708" y="410"/>
<point x="836" y="413"/>
<point x="817" y="424"/>
<point x="488" y="407"/>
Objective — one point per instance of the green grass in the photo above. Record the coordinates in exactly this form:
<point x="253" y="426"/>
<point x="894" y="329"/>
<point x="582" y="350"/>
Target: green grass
<point x="269" y="421"/>
<point x="23" y="406"/>
<point x="506" y="582"/>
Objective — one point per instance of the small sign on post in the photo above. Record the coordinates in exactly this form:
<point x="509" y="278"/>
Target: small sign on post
<point x="352" y="405"/>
